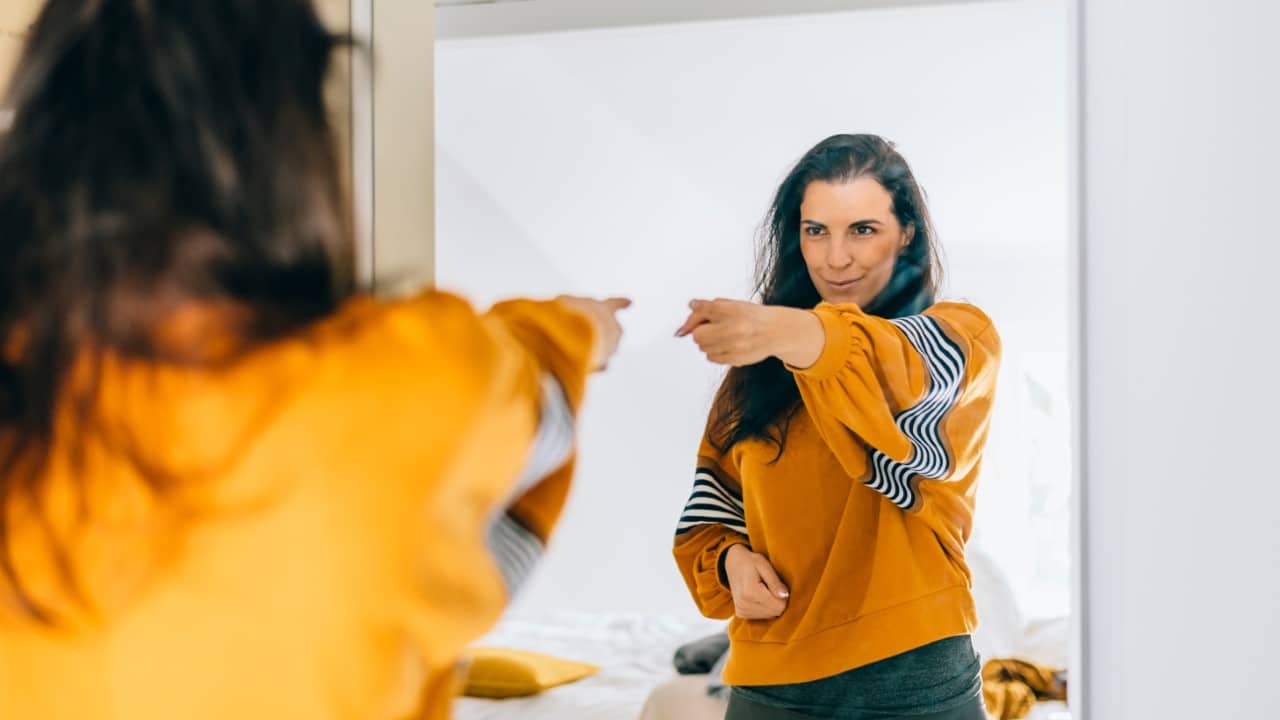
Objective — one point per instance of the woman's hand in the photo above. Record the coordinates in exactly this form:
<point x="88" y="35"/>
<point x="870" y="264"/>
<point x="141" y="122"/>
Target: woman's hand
<point x="758" y="592"/>
<point x="604" y="315"/>
<point x="732" y="332"/>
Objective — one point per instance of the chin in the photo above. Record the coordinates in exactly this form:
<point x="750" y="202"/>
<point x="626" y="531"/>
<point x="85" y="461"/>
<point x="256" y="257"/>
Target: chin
<point x="850" y="299"/>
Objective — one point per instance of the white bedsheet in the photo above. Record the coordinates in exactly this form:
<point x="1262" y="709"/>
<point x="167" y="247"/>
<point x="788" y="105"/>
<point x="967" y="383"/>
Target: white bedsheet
<point x="634" y="653"/>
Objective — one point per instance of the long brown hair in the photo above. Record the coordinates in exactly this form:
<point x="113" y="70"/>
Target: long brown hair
<point x="757" y="401"/>
<point x="161" y="152"/>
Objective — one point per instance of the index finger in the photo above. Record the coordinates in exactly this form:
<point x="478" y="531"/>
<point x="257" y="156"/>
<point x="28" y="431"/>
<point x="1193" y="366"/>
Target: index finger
<point x="697" y="316"/>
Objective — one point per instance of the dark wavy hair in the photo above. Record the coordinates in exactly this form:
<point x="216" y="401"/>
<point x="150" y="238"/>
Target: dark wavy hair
<point x="161" y="152"/>
<point x="757" y="401"/>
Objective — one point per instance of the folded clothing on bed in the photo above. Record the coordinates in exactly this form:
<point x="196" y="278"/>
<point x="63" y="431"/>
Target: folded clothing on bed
<point x="701" y="655"/>
<point x="504" y="672"/>
<point x="1011" y="687"/>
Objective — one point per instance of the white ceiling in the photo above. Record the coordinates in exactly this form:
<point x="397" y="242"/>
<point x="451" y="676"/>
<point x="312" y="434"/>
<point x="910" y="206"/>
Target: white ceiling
<point x="448" y="3"/>
<point x="475" y="18"/>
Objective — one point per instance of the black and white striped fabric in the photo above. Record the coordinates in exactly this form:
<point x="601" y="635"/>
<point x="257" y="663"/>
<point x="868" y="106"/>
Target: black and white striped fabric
<point x="712" y="502"/>
<point x="922" y="422"/>
<point x="553" y="445"/>
<point x="516" y="551"/>
<point x="514" y="547"/>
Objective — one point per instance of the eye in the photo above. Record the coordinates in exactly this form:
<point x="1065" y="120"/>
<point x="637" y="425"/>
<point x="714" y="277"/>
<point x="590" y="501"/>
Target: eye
<point x="864" y="230"/>
<point x="814" y="230"/>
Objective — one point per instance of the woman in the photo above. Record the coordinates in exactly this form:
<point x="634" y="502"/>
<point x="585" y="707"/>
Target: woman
<point x="231" y="486"/>
<point x="835" y="483"/>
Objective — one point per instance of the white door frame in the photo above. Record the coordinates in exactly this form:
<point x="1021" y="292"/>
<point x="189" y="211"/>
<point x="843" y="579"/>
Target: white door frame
<point x="393" y="143"/>
<point x="1079" y="651"/>
<point x="362" y="141"/>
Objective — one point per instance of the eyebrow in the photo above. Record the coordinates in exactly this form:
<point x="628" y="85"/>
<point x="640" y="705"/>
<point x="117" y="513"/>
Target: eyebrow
<point x="868" y="221"/>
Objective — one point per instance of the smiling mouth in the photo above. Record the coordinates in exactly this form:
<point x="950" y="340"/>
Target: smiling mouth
<point x="844" y="285"/>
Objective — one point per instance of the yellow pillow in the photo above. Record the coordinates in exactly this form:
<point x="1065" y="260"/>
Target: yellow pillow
<point x="503" y="673"/>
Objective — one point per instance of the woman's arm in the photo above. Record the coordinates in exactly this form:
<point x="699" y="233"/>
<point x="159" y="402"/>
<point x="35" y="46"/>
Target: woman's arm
<point x="732" y="332"/>
<point x="896" y="400"/>
<point x="468" y="464"/>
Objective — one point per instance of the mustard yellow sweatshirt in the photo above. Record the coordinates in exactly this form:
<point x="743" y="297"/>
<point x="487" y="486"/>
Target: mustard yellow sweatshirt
<point x="350" y="507"/>
<point x="866" y="513"/>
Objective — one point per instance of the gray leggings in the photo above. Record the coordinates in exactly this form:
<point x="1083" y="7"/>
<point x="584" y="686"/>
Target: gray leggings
<point x="743" y="709"/>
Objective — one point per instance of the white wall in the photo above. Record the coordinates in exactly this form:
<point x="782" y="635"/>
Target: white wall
<point x="1181" y="107"/>
<point x="639" y="161"/>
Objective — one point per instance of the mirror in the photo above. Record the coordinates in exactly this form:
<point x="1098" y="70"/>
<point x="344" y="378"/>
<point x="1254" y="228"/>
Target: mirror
<point x="599" y="150"/>
<point x="608" y="152"/>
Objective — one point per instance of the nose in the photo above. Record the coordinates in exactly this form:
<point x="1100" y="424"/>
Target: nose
<point x="838" y="256"/>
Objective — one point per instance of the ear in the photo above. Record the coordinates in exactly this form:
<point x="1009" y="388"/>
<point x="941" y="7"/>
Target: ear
<point x="908" y="234"/>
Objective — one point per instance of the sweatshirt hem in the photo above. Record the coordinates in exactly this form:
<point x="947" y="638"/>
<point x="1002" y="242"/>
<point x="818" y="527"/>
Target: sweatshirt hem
<point x="862" y="641"/>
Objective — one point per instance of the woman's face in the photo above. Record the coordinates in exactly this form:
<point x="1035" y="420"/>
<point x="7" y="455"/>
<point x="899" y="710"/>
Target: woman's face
<point x="850" y="239"/>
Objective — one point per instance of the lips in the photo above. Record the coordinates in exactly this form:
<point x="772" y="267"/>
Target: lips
<point x="844" y="285"/>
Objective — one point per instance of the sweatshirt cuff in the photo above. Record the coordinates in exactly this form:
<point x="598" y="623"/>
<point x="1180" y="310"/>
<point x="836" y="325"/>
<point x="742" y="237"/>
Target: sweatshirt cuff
<point x="837" y="347"/>
<point x="721" y="576"/>
<point x="711" y="579"/>
<point x="562" y="339"/>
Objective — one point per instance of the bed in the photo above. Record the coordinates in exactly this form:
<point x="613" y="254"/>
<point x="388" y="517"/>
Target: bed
<point x="634" y="651"/>
<point x="636" y="680"/>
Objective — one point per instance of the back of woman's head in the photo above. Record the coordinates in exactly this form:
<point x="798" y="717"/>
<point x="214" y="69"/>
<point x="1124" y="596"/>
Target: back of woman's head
<point x="162" y="153"/>
<point x="169" y="144"/>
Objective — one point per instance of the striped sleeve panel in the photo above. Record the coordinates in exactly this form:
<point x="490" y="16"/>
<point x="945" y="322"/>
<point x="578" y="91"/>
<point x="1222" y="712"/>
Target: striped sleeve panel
<point x="713" y="501"/>
<point x="553" y="445"/>
<point x="515" y="548"/>
<point x="922" y="422"/>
